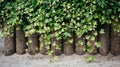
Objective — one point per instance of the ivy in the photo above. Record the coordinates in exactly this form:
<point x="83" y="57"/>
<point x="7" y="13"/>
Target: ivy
<point x="61" y="16"/>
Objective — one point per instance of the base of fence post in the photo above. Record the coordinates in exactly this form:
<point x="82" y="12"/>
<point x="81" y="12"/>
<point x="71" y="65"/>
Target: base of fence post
<point x="43" y="45"/>
<point x="33" y="44"/>
<point x="115" y="43"/>
<point x="79" y="48"/>
<point x="69" y="48"/>
<point x="20" y="40"/>
<point x="105" y="41"/>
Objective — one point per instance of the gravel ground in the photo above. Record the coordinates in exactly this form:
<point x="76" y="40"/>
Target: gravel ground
<point x="39" y="60"/>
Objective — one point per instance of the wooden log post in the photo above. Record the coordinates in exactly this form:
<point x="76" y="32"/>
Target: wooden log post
<point x="95" y="49"/>
<point x="91" y="44"/>
<point x="33" y="44"/>
<point x="9" y="47"/>
<point x="80" y="45"/>
<point x="69" y="45"/>
<point x="20" y="40"/>
<point x="115" y="43"/>
<point x="43" y="45"/>
<point x="105" y="41"/>
<point x="9" y="42"/>
<point x="56" y="45"/>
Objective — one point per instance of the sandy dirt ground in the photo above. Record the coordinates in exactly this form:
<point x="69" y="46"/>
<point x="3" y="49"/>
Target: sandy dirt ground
<point x="39" y="60"/>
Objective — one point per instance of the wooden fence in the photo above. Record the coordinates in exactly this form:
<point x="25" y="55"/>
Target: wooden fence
<point x="17" y="44"/>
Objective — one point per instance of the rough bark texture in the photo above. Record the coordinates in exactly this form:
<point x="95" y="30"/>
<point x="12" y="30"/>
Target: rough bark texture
<point x="58" y="43"/>
<point x="105" y="42"/>
<point x="79" y="47"/>
<point x="95" y="49"/>
<point x="43" y="49"/>
<point x="33" y="44"/>
<point x="68" y="48"/>
<point x="20" y="40"/>
<point x="9" y="42"/>
<point x="9" y="47"/>
<point x="115" y="43"/>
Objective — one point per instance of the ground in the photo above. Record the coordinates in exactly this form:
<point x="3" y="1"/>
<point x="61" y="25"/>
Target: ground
<point x="39" y="60"/>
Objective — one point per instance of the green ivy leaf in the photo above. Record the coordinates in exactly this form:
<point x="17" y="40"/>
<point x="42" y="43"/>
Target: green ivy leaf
<point x="102" y="31"/>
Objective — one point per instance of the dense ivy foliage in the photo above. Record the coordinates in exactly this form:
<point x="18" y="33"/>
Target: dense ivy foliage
<point x="61" y="16"/>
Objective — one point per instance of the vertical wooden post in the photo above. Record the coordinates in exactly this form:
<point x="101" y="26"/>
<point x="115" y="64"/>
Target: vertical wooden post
<point x="115" y="43"/>
<point x="9" y="47"/>
<point x="20" y="40"/>
<point x="95" y="49"/>
<point x="57" y="48"/>
<point x="92" y="44"/>
<point x="104" y="39"/>
<point x="43" y="45"/>
<point x="80" y="44"/>
<point x="9" y="42"/>
<point x="33" y="44"/>
<point x="69" y="48"/>
<point x="56" y="45"/>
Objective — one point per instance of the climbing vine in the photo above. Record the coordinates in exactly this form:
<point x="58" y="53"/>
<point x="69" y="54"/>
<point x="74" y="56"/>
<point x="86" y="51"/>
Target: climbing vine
<point x="60" y="18"/>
